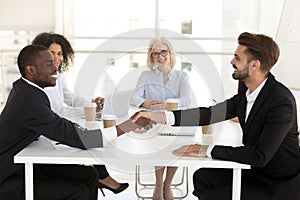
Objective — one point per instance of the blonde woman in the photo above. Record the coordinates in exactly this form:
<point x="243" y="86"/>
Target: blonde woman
<point x="154" y="87"/>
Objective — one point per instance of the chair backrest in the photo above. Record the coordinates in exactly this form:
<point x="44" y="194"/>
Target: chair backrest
<point x="129" y="80"/>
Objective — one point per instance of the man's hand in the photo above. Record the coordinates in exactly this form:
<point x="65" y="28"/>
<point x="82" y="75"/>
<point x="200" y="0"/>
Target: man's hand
<point x="192" y="150"/>
<point x="159" y="117"/>
<point x="140" y="125"/>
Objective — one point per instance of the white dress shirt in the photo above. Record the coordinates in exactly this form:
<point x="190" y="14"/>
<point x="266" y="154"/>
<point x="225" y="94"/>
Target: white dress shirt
<point x="251" y="97"/>
<point x="151" y="86"/>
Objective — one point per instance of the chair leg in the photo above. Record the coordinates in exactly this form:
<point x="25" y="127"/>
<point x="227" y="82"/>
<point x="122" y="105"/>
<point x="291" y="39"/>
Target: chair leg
<point x="138" y="183"/>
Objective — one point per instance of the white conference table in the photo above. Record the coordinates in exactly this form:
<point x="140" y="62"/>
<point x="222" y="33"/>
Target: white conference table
<point x="127" y="151"/>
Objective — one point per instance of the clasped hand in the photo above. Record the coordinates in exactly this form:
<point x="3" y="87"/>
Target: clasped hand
<point x="155" y="104"/>
<point x="141" y="125"/>
<point x="192" y="150"/>
<point x="158" y="117"/>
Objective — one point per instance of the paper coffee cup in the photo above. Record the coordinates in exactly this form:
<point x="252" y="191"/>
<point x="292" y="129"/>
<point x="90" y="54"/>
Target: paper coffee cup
<point x="172" y="104"/>
<point x="207" y="129"/>
<point x="89" y="111"/>
<point x="109" y="120"/>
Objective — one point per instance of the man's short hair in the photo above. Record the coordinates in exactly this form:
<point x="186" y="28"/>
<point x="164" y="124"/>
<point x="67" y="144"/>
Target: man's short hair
<point x="28" y="56"/>
<point x="260" y="47"/>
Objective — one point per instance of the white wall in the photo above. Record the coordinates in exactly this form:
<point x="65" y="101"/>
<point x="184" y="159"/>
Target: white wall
<point x="287" y="70"/>
<point x="27" y="14"/>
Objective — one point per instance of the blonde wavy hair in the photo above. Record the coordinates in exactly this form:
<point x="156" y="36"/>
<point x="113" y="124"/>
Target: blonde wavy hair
<point x="154" y="42"/>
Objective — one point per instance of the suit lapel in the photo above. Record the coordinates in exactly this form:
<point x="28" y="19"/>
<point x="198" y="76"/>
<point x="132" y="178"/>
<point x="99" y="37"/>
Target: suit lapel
<point x="242" y="110"/>
<point x="259" y="100"/>
<point x="242" y="103"/>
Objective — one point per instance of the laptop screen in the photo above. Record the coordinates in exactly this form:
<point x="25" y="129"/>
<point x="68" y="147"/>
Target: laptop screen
<point x="117" y="103"/>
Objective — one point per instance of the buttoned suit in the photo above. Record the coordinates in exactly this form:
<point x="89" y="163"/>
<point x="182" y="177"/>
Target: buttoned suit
<point x="270" y="139"/>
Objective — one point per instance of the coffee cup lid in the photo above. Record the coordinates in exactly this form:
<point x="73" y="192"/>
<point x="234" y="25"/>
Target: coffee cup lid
<point x="172" y="100"/>
<point x="89" y="104"/>
<point x="109" y="116"/>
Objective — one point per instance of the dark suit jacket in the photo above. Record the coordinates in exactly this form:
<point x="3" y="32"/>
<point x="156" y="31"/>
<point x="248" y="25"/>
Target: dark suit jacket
<point x="270" y="134"/>
<point x="26" y="116"/>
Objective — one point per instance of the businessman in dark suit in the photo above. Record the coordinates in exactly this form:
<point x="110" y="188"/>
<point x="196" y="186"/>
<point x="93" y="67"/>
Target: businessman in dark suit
<point x="26" y="116"/>
<point x="267" y="113"/>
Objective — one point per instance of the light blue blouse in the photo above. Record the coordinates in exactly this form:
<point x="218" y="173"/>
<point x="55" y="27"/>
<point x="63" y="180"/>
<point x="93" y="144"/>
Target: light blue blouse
<point x="150" y="85"/>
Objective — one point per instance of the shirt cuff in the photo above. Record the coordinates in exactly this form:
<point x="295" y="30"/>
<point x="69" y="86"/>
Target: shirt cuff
<point x="208" y="151"/>
<point x="109" y="135"/>
<point x="170" y="118"/>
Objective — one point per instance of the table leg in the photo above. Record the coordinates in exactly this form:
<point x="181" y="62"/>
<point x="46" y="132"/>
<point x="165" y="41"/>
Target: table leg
<point x="236" y="184"/>
<point x="29" y="181"/>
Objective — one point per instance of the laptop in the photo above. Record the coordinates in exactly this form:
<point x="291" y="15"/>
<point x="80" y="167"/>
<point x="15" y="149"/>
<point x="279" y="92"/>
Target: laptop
<point x="117" y="103"/>
<point x="168" y="130"/>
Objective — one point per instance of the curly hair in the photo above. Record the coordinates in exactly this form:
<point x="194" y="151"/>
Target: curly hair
<point x="46" y="39"/>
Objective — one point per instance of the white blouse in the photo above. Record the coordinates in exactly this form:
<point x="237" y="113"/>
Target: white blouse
<point x="64" y="102"/>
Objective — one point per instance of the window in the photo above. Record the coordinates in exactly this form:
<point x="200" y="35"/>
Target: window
<point x="211" y="25"/>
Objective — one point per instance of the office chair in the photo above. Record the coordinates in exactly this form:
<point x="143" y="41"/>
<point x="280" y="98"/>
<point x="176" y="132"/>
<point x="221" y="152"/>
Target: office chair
<point x="143" y="185"/>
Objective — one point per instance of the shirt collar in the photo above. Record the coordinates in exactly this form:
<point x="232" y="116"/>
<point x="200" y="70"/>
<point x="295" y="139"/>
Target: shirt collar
<point x="252" y="96"/>
<point x="33" y="84"/>
<point x="170" y="74"/>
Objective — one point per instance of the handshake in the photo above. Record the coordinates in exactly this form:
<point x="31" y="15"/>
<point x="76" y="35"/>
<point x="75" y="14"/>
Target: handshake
<point x="141" y="121"/>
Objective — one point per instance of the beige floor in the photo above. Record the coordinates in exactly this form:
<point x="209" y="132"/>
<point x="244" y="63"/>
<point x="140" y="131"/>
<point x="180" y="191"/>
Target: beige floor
<point x="129" y="194"/>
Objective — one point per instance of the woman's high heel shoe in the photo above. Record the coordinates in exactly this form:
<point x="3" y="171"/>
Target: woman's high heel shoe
<point x="122" y="187"/>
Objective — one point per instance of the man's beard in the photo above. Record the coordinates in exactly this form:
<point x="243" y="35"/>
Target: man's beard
<point x="241" y="74"/>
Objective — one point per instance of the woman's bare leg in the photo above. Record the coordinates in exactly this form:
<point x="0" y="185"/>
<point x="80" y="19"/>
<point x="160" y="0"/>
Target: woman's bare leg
<point x="158" y="189"/>
<point x="167" y="190"/>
